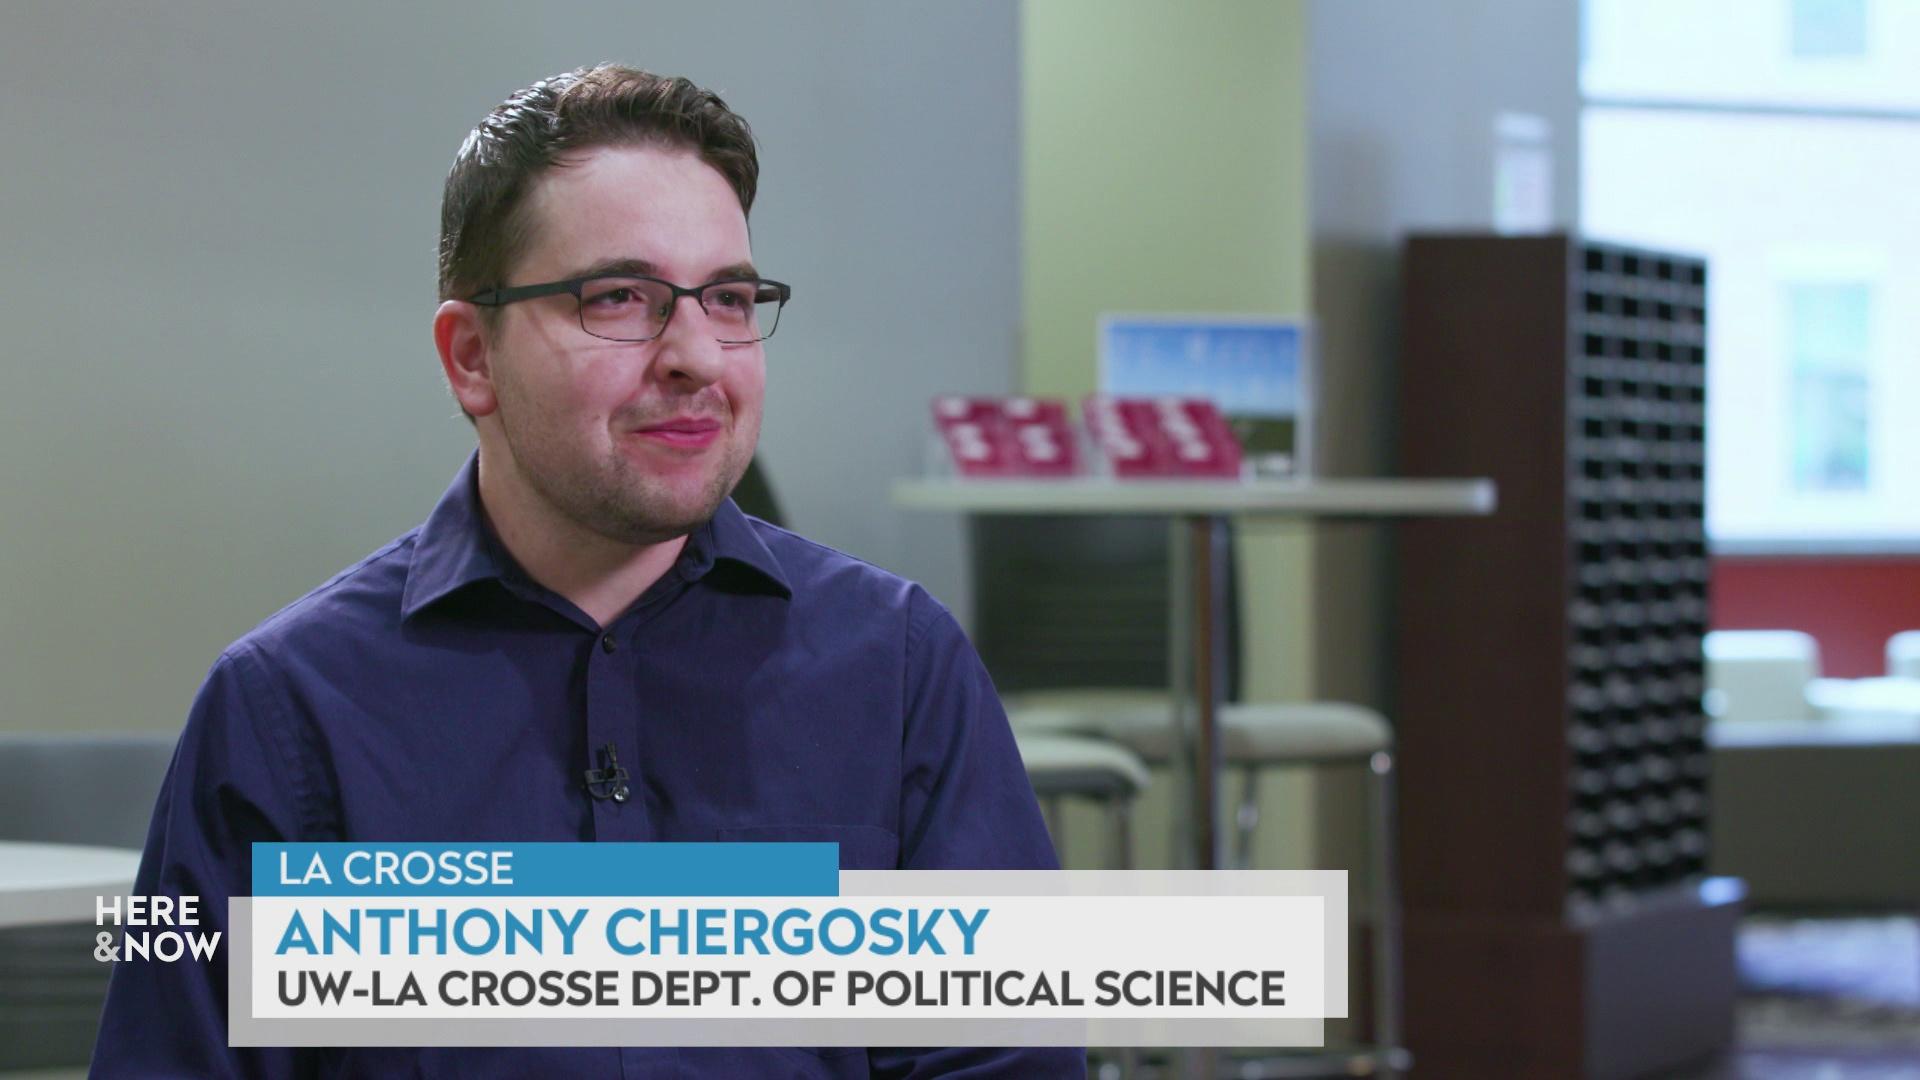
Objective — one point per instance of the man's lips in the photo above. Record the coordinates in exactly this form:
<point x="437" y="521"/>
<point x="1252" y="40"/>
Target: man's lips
<point x="685" y="431"/>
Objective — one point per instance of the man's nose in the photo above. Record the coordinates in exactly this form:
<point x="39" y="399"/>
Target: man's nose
<point x="689" y="348"/>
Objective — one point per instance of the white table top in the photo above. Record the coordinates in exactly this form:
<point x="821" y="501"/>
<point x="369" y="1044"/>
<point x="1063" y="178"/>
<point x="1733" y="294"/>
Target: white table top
<point x="57" y="883"/>
<point x="1894" y="701"/>
<point x="1363" y="497"/>
<point x="1837" y="731"/>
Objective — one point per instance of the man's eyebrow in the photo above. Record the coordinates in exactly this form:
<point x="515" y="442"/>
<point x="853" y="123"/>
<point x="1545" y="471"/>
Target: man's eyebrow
<point x="617" y="266"/>
<point x="642" y="267"/>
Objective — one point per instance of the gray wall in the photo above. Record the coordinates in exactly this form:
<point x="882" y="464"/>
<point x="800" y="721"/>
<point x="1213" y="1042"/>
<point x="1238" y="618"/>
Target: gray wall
<point x="219" y="220"/>
<point x="1401" y="103"/>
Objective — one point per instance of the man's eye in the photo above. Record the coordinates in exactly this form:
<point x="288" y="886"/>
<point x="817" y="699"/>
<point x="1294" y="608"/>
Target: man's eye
<point x="737" y="296"/>
<point x="612" y="298"/>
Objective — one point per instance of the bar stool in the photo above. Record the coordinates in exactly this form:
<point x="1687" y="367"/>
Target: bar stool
<point x="1255" y="737"/>
<point x="1061" y="766"/>
<point x="1064" y="765"/>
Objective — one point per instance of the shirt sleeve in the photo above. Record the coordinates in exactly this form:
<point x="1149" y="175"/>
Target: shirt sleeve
<point x="966" y="804"/>
<point x="227" y="787"/>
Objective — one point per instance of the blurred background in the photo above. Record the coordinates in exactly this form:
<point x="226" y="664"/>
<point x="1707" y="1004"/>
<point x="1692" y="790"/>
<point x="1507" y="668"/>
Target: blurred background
<point x="221" y="220"/>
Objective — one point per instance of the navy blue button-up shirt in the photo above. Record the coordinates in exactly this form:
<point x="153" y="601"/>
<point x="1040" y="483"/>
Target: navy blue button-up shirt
<point x="766" y="688"/>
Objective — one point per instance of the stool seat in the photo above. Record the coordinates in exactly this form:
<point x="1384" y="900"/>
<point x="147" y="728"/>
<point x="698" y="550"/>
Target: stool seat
<point x="1067" y="764"/>
<point x="1252" y="734"/>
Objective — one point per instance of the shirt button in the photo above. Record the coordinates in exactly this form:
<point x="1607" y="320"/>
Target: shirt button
<point x="620" y="793"/>
<point x="607" y="643"/>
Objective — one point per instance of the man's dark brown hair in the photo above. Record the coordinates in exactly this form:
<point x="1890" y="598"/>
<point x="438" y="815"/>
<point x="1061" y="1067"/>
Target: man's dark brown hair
<point x="483" y="226"/>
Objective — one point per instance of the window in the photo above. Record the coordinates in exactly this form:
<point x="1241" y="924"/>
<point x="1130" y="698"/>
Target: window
<point x="1827" y="360"/>
<point x="1829" y="28"/>
<point x="1773" y="138"/>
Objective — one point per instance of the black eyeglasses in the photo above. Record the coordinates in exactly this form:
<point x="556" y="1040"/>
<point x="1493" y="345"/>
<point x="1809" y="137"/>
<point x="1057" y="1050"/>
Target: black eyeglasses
<point x="631" y="307"/>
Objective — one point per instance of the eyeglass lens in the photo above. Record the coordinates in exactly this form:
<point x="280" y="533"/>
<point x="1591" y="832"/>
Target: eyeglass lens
<point x="637" y="309"/>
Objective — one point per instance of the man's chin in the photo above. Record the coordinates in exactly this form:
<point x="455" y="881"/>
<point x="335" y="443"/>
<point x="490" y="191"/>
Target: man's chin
<point x="657" y="519"/>
<point x="659" y="507"/>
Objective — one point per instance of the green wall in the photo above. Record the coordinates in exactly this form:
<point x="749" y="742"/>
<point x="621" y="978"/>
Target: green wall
<point x="1164" y="168"/>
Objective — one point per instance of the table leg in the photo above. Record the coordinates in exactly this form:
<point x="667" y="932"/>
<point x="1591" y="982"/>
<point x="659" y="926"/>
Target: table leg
<point x="1195" y="611"/>
<point x="1207" y="604"/>
<point x="1183" y="852"/>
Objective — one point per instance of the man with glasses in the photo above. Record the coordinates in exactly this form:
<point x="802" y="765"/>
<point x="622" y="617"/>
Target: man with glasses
<point x="587" y="640"/>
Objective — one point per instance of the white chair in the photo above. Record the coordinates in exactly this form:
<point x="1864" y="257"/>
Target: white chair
<point x="1771" y="679"/>
<point x="1903" y="655"/>
<point x="1812" y="787"/>
<point x="1760" y="675"/>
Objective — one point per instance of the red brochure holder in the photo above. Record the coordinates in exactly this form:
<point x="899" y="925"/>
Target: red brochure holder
<point x="1161" y="437"/>
<point x="1018" y="436"/>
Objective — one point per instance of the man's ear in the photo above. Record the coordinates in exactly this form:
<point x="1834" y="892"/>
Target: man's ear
<point x="464" y="358"/>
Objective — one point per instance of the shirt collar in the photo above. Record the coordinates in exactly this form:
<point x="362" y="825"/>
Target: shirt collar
<point x="457" y="547"/>
<point x="735" y="542"/>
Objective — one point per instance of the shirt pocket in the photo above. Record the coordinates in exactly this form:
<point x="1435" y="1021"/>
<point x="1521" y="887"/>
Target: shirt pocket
<point x="862" y="847"/>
